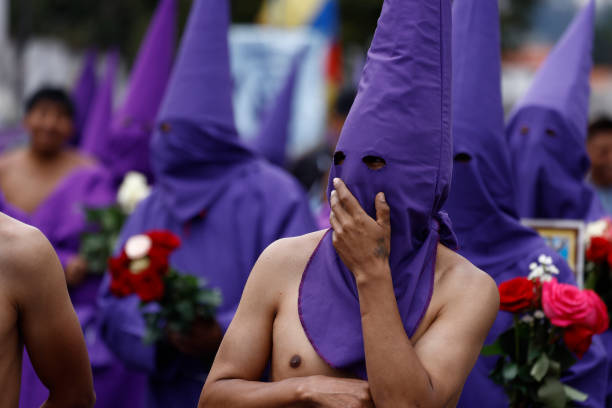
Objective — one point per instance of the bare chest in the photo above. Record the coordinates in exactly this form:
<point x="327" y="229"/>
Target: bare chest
<point x="27" y="188"/>
<point x="292" y="352"/>
<point x="10" y="353"/>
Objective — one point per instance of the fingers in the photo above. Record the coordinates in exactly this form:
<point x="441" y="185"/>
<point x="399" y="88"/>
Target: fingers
<point x="346" y="198"/>
<point x="337" y="210"/>
<point x="383" y="212"/>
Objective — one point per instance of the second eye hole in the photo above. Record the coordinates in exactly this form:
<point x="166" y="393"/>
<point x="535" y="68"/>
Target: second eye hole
<point x="374" y="162"/>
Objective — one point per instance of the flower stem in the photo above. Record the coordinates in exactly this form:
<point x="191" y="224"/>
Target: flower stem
<point x="516" y="339"/>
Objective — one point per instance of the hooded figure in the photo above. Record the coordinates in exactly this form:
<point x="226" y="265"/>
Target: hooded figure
<point x="547" y="132"/>
<point x="225" y="203"/>
<point x="132" y="125"/>
<point x="84" y="94"/>
<point x="273" y="136"/>
<point x="481" y="202"/>
<point x="95" y="136"/>
<point x="401" y="117"/>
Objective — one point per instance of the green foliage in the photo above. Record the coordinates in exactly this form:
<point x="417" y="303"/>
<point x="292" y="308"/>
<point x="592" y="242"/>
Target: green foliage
<point x="186" y="299"/>
<point x="99" y="240"/>
<point x="531" y="361"/>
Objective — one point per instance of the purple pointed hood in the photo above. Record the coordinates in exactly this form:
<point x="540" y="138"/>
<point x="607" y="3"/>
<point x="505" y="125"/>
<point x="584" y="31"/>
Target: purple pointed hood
<point x="482" y="198"/>
<point x="133" y="123"/>
<point x="547" y="131"/>
<point x="95" y="138"/>
<point x="84" y="93"/>
<point x="273" y="136"/>
<point x="401" y="114"/>
<point x="195" y="148"/>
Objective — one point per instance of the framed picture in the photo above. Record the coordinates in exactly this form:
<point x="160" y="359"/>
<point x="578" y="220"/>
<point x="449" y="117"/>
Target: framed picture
<point x="566" y="237"/>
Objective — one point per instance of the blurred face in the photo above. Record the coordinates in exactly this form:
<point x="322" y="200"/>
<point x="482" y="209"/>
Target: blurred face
<point x="599" y="147"/>
<point x="50" y="126"/>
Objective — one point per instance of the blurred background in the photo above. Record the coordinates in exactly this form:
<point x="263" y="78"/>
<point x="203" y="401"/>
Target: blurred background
<point x="42" y="42"/>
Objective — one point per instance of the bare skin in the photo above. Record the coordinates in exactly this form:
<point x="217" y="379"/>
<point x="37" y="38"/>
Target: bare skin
<point x="29" y="175"/>
<point x="427" y="370"/>
<point x="35" y="311"/>
<point x="599" y="147"/>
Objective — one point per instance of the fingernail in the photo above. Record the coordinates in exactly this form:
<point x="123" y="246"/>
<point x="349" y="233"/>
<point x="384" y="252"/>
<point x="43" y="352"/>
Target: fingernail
<point x="333" y="193"/>
<point x="336" y="181"/>
<point x="382" y="197"/>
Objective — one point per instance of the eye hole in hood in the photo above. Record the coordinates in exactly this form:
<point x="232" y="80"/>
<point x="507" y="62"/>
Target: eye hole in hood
<point x="374" y="162"/>
<point x="463" y="158"/>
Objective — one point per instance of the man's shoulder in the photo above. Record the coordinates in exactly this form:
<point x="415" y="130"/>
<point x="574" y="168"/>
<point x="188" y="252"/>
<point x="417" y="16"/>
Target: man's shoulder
<point x="456" y="275"/>
<point x="290" y="254"/>
<point x="24" y="249"/>
<point x="12" y="157"/>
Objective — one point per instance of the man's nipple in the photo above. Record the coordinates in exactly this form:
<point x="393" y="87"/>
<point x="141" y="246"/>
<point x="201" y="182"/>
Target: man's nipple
<point x="295" y="361"/>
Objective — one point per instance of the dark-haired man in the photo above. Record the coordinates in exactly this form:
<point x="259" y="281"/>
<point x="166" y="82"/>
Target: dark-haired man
<point x="599" y="147"/>
<point x="35" y="311"/>
<point x="46" y="184"/>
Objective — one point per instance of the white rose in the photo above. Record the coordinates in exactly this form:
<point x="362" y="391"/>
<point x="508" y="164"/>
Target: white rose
<point x="596" y="229"/>
<point x="132" y="191"/>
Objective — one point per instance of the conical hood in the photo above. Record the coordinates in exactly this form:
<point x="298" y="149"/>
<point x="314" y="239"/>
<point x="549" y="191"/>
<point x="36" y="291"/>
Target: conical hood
<point x="547" y="131"/>
<point x="133" y="124"/>
<point x="273" y="136"/>
<point x="195" y="148"/>
<point x="151" y="70"/>
<point x="85" y="92"/>
<point x="401" y="116"/>
<point x="200" y="89"/>
<point x="562" y="83"/>
<point x="95" y="137"/>
<point x="482" y="198"/>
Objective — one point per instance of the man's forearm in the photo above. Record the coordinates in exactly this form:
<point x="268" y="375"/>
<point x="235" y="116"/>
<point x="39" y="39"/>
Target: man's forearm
<point x="251" y="394"/>
<point x="395" y="373"/>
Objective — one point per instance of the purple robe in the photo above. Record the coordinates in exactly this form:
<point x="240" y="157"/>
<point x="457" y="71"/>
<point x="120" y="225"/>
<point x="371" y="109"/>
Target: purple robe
<point x="401" y="114"/>
<point x="61" y="219"/>
<point x="547" y="132"/>
<point x="481" y="202"/>
<point x="224" y="202"/>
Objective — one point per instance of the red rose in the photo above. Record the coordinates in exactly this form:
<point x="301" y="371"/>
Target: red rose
<point x="164" y="239"/>
<point x="149" y="286"/>
<point x="598" y="250"/>
<point x="517" y="295"/>
<point x="119" y="268"/>
<point x="578" y="339"/>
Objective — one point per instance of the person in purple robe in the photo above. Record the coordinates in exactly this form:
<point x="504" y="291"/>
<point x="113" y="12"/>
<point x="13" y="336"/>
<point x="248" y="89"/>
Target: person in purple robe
<point x="377" y="311"/>
<point x="84" y="94"/>
<point x="273" y="137"/>
<point x="128" y="139"/>
<point x="547" y="132"/>
<point x="46" y="184"/>
<point x="482" y="198"/>
<point x="225" y="202"/>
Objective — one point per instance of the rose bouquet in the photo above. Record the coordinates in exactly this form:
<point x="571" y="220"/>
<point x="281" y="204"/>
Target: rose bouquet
<point x="553" y="323"/>
<point x="598" y="270"/>
<point x="169" y="300"/>
<point x="104" y="223"/>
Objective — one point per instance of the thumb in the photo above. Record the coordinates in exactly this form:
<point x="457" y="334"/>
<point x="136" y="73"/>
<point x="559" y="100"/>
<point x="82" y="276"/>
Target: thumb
<point x="382" y="211"/>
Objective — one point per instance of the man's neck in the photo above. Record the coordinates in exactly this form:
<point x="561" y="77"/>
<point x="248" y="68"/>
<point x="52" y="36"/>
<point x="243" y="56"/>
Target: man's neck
<point x="46" y="158"/>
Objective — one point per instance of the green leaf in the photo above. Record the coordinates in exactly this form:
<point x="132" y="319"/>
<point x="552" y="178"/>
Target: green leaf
<point x="540" y="368"/>
<point x="510" y="371"/>
<point x="494" y="349"/>
<point x="552" y="393"/>
<point x="574" y="395"/>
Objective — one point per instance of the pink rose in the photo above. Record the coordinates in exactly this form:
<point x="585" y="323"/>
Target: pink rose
<point x="581" y="312"/>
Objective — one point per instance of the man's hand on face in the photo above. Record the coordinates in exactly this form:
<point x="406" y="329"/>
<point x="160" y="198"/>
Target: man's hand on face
<point x="202" y="341"/>
<point x="362" y="242"/>
<point x="328" y="392"/>
<point x="76" y="271"/>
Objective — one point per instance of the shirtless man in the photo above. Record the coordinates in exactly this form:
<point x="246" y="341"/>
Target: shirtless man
<point x="35" y="310"/>
<point x="377" y="311"/>
<point x="29" y="175"/>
